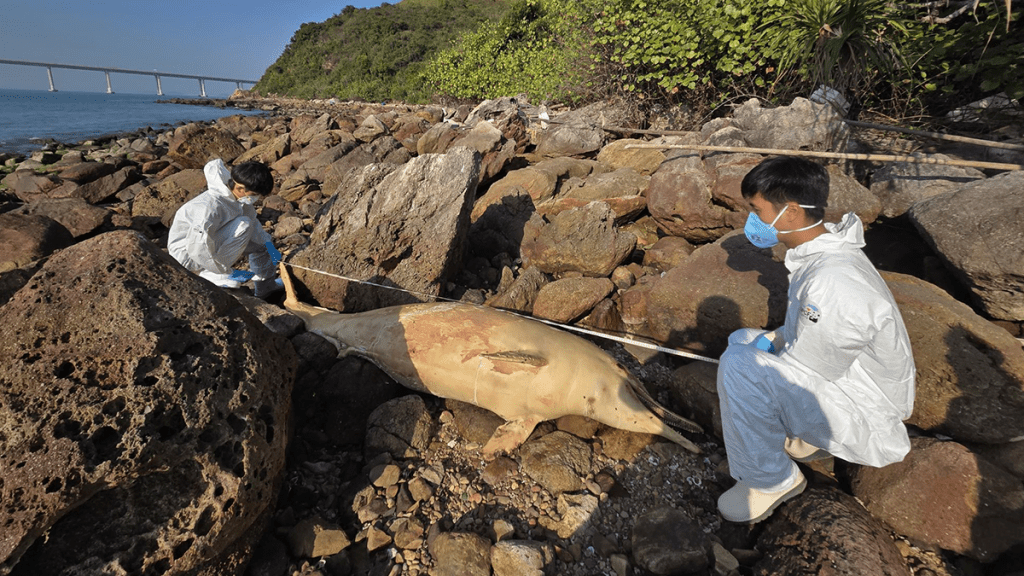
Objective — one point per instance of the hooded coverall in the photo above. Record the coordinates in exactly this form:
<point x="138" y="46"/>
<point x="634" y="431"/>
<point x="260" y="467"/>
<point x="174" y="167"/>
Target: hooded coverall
<point x="213" y="230"/>
<point x="843" y="379"/>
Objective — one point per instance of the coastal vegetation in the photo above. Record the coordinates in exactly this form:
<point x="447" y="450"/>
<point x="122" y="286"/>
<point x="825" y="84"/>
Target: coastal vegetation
<point x="898" y="58"/>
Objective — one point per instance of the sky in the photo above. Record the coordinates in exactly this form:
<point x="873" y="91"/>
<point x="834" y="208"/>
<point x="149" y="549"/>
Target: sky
<point x="223" y="38"/>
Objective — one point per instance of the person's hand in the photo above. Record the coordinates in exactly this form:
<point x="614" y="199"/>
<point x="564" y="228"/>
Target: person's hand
<point x="766" y="342"/>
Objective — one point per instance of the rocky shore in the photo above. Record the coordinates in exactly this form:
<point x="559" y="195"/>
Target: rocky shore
<point x="154" y="424"/>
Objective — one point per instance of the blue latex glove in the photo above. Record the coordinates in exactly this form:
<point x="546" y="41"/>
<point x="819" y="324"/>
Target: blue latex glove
<point x="275" y="254"/>
<point x="763" y="343"/>
<point x="241" y="275"/>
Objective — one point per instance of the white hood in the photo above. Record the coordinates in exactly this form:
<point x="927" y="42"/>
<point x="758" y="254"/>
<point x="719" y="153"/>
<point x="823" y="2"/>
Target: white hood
<point x="848" y="234"/>
<point x="217" y="177"/>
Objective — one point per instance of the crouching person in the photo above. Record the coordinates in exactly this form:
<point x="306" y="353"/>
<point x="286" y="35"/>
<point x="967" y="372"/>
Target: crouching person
<point x="211" y="232"/>
<point x="838" y="377"/>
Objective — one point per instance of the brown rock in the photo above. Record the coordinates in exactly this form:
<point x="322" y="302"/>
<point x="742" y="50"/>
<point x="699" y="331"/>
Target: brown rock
<point x="686" y="200"/>
<point x="75" y="214"/>
<point x="557" y="461"/>
<point x="667" y="253"/>
<point x="165" y="197"/>
<point x="315" y="538"/>
<point x="644" y="160"/>
<point x="103" y="189"/>
<point x="193" y="146"/>
<point x="570" y="298"/>
<point x="83" y="172"/>
<point x="582" y="240"/>
<point x="27" y="185"/>
<point x="475" y="424"/>
<point x="720" y="288"/>
<point x="146" y="426"/>
<point x="667" y="541"/>
<point x="25" y="238"/>
<point x="970" y="373"/>
<point x="461" y="554"/>
<point x="824" y="531"/>
<point x="944" y="495"/>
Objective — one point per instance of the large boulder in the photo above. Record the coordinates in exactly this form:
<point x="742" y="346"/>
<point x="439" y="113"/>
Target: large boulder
<point x="28" y="186"/>
<point x="803" y="125"/>
<point x="193" y="145"/>
<point x="24" y="239"/>
<point x="399" y="226"/>
<point x="970" y="372"/>
<point x="143" y="416"/>
<point x="978" y="231"/>
<point x="164" y="198"/>
<point x="699" y="200"/>
<point x="900" y="185"/>
<point x="75" y="214"/>
<point x="846" y="194"/>
<point x="825" y="531"/>
<point x="944" y="495"/>
<point x="720" y="288"/>
<point x="582" y="240"/>
<point x="104" y="188"/>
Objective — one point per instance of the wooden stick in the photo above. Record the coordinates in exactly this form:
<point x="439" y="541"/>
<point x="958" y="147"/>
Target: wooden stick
<point x="938" y="135"/>
<point x="840" y="155"/>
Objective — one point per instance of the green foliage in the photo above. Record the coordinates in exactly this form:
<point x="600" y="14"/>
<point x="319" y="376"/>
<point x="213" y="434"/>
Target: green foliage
<point x="845" y="44"/>
<point x="972" y="56"/>
<point x="661" y="47"/>
<point x="537" y="48"/>
<point x="374" y="54"/>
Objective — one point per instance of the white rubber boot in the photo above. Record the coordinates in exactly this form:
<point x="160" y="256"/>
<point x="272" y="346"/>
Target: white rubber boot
<point x="744" y="504"/>
<point x="803" y="452"/>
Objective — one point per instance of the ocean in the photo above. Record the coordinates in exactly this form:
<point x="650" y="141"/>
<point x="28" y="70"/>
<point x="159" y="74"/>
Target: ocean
<point x="29" y="117"/>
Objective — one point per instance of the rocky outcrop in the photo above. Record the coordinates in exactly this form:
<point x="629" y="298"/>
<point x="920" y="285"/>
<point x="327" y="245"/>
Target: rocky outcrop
<point x="360" y="238"/>
<point x="977" y="231"/>
<point x="836" y="535"/>
<point x="901" y="185"/>
<point x="944" y="495"/>
<point x="970" y="372"/>
<point x="144" y="427"/>
<point x="25" y="239"/>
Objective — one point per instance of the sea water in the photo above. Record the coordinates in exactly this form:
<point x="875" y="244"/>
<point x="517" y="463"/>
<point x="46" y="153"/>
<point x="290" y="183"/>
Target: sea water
<point x="29" y="117"/>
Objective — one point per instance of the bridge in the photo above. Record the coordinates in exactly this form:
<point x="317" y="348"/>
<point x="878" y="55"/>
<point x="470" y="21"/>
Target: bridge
<point x="107" y="70"/>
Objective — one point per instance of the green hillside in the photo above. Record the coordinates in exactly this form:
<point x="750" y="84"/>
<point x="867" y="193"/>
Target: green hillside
<point x="376" y="53"/>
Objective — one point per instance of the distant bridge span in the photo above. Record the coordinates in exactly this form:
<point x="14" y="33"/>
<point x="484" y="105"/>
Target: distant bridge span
<point x="107" y="70"/>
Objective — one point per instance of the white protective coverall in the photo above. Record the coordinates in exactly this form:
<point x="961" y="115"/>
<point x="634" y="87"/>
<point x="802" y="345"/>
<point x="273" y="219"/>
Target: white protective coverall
<point x="213" y="230"/>
<point x="843" y="379"/>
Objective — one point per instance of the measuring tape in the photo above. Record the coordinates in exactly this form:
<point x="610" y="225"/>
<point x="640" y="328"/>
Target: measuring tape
<point x="596" y="334"/>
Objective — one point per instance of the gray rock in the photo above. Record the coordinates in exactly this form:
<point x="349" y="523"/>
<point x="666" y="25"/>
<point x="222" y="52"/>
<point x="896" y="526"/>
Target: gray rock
<point x="846" y="194"/>
<point x="694" y="386"/>
<point x="827" y="531"/>
<point x="803" y="125"/>
<point x="577" y="511"/>
<point x="625" y="181"/>
<point x="521" y="558"/>
<point x="557" y="461"/>
<point x="401" y="427"/>
<point x="461" y="554"/>
<point x="152" y="414"/>
<point x="667" y="541"/>
<point x="944" y="495"/>
<point x="581" y="240"/>
<point x="370" y="128"/>
<point x="978" y="231"/>
<point x="970" y="372"/>
<point x="359" y="237"/>
<point x="644" y="160"/>
<point x="475" y="424"/>
<point x="900" y="185"/>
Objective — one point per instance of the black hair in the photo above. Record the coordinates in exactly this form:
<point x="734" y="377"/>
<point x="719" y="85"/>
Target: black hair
<point x="783" y="179"/>
<point x="255" y="176"/>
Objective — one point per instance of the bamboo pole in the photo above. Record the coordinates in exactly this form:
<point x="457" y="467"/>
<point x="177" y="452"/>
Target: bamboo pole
<point x="937" y="135"/>
<point x="916" y="159"/>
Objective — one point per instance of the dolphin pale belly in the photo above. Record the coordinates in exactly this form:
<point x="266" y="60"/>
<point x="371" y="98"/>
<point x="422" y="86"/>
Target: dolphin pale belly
<point x="520" y="369"/>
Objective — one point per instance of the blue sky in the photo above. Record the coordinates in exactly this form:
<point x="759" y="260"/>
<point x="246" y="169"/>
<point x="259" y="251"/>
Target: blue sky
<point x="228" y="39"/>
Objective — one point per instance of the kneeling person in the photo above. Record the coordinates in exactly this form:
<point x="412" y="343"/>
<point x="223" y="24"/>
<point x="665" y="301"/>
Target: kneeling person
<point x="838" y="376"/>
<point x="215" y="229"/>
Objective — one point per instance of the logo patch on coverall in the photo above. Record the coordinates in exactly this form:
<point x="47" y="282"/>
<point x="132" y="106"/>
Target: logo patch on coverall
<point x="811" y="312"/>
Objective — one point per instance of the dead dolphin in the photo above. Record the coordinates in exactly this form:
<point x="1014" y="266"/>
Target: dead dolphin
<point x="520" y="369"/>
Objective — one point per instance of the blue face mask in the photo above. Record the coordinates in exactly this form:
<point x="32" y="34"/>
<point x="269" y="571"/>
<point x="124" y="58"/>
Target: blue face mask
<point x="765" y="235"/>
